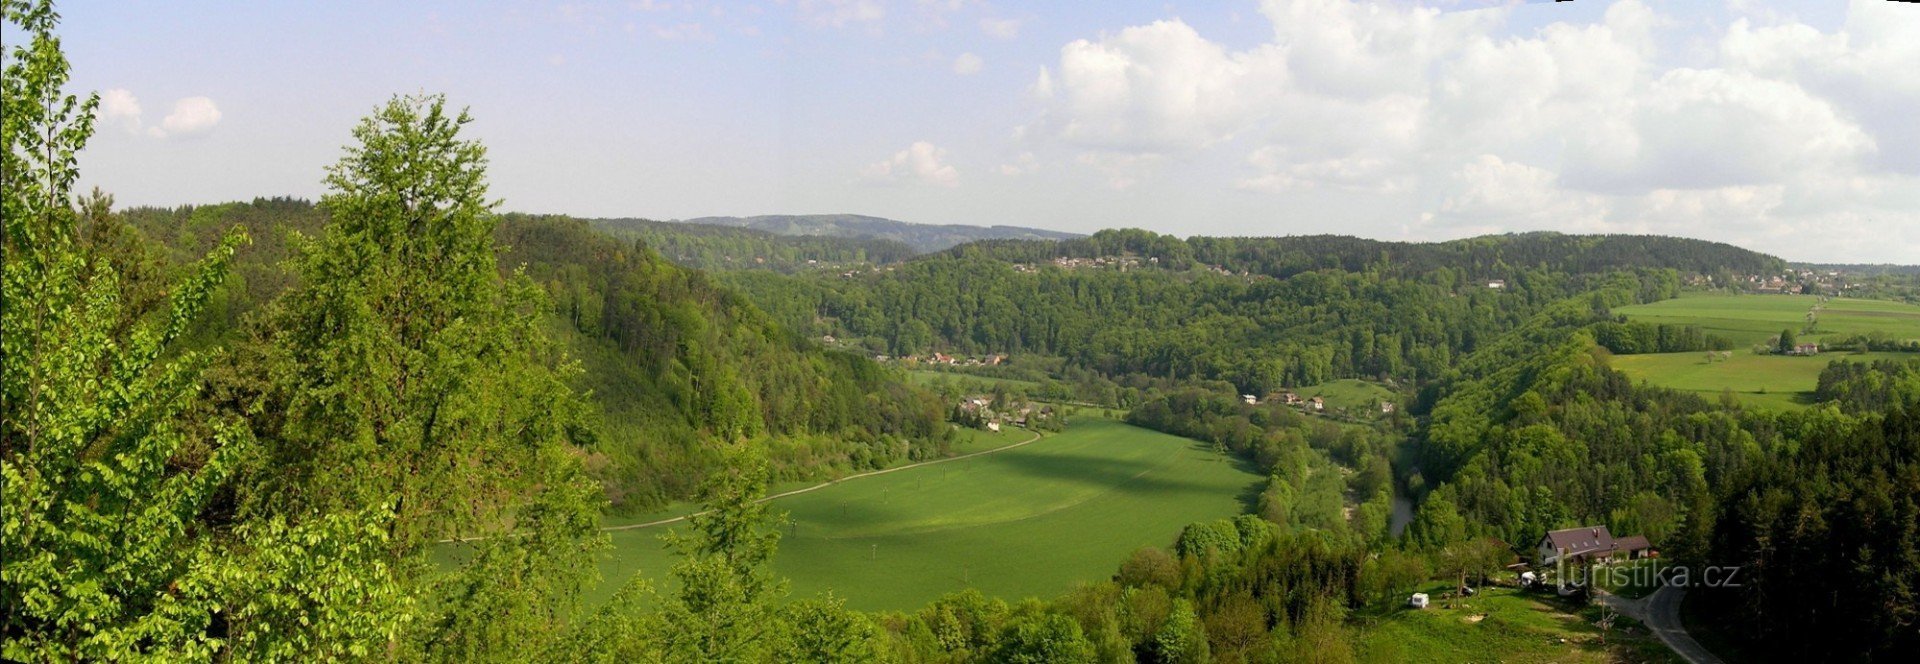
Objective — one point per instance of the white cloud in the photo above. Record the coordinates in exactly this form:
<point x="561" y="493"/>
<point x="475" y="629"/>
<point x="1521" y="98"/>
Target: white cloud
<point x="1490" y="194"/>
<point x="120" y="108"/>
<point x="682" y="32"/>
<point x="1155" y="88"/>
<point x="1001" y="28"/>
<point x="191" y="116"/>
<point x="1024" y="164"/>
<point x="968" y="64"/>
<point x="1580" y="126"/>
<point x="922" y="162"/>
<point x="1122" y="170"/>
<point x="841" y="13"/>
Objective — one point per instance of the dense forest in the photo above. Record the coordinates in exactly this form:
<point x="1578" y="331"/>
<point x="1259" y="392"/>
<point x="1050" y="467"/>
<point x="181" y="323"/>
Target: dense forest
<point x="669" y="359"/>
<point x="1258" y="332"/>
<point x="708" y="247"/>
<point x="1480" y="258"/>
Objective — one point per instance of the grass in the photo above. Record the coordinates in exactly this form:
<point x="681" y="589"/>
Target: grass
<point x="924" y="377"/>
<point x="1762" y="381"/>
<point x="1348" y="393"/>
<point x="1030" y="521"/>
<point x="969" y="441"/>
<point x="1506" y="624"/>
<point x="1753" y="319"/>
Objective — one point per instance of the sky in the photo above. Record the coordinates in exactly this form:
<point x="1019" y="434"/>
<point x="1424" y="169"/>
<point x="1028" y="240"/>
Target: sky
<point x="1785" y="127"/>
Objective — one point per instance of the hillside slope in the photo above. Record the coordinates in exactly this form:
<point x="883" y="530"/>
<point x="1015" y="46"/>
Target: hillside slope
<point x="673" y="360"/>
<point x="922" y="237"/>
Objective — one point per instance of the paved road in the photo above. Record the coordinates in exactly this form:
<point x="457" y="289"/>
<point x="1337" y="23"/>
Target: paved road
<point x="1661" y="613"/>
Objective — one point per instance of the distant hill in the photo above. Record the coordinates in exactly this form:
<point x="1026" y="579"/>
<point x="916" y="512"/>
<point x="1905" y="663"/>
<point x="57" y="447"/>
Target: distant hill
<point x="922" y="237"/>
<point x="721" y="248"/>
<point x="1484" y="256"/>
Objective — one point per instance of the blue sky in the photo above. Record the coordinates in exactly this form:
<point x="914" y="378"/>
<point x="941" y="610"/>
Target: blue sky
<point x="1784" y="127"/>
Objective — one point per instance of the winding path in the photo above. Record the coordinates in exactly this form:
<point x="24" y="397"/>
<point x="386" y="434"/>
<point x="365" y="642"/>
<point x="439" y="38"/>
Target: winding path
<point x="828" y="483"/>
<point x="1661" y="613"/>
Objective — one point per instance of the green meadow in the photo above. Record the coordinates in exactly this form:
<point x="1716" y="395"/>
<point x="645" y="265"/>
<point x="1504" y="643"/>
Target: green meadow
<point x="1349" y="393"/>
<point x="925" y="377"/>
<point x="1769" y="381"/>
<point x="1029" y="521"/>
<point x="1521" y="626"/>
<point x="1753" y="319"/>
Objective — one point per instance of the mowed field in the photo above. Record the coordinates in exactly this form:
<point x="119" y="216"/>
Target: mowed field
<point x="1348" y="393"/>
<point x="1771" y="381"/>
<point x="1753" y="319"/>
<point x="1520" y="626"/>
<point x="1028" y="521"/>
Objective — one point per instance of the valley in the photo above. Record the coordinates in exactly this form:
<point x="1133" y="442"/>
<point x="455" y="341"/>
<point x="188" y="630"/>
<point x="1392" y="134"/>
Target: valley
<point x="1030" y="521"/>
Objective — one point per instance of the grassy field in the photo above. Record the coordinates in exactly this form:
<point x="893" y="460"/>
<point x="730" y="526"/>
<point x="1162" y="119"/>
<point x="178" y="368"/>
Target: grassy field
<point x="1770" y="381"/>
<point x="1753" y="319"/>
<point x="1518" y="626"/>
<point x="1029" y="521"/>
<point x="927" y="376"/>
<point x="968" y="442"/>
<point x="1348" y="393"/>
<point x="1767" y="381"/>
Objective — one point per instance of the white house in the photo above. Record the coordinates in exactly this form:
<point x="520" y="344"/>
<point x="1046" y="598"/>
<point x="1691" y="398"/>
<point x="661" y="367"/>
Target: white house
<point x="1418" y="601"/>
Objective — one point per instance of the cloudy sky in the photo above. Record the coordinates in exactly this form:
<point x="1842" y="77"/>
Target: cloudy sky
<point x="1787" y="127"/>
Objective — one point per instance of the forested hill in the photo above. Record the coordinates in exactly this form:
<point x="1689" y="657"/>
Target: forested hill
<point x="1492" y="256"/>
<point x="922" y="237"/>
<point x="708" y="247"/>
<point x="672" y="359"/>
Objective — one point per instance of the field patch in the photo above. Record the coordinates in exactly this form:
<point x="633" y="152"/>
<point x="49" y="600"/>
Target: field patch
<point x="1753" y="319"/>
<point x="1518" y="625"/>
<point x="1028" y="521"/>
<point x="1768" y="381"/>
<point x="1349" y="393"/>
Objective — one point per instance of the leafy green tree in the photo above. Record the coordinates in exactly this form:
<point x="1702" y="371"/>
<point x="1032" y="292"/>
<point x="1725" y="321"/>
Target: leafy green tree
<point x="97" y="530"/>
<point x="725" y="608"/>
<point x="1044" y="638"/>
<point x="1437" y="523"/>
<point x="825" y="631"/>
<point x="1181" y="638"/>
<point x="405" y="379"/>
<point x="1787" y="341"/>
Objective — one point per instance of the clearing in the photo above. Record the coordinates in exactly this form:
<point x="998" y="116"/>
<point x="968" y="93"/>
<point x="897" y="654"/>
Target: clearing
<point x="1027" y="521"/>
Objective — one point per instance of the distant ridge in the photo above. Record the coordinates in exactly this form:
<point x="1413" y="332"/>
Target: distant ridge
<point x="922" y="237"/>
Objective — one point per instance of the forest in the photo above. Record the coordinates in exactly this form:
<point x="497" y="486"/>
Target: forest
<point x="389" y="424"/>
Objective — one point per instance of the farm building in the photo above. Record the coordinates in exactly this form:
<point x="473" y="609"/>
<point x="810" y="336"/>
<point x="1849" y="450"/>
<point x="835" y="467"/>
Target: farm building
<point x="1588" y="544"/>
<point x="1250" y="399"/>
<point x="1317" y="403"/>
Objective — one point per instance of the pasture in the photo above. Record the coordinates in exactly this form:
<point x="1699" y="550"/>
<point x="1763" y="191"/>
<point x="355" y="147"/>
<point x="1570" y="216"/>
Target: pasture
<point x="1028" y="521"/>
<point x="1766" y="381"/>
<point x="1753" y="319"/>
<point x="1521" y="626"/>
<point x="1349" y="393"/>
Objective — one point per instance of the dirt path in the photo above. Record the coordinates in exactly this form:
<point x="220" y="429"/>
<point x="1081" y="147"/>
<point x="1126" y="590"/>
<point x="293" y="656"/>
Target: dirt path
<point x="823" y="485"/>
<point x="1661" y="613"/>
